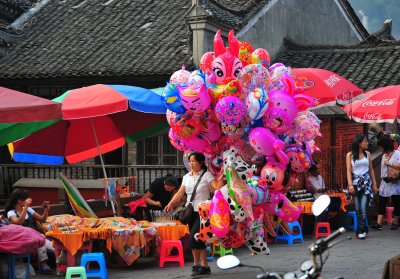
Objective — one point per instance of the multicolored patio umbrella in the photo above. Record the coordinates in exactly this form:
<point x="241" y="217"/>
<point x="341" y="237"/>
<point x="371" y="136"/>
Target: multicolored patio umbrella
<point x="95" y="120"/>
<point x="327" y="88"/>
<point x="17" y="107"/>
<point x="379" y="105"/>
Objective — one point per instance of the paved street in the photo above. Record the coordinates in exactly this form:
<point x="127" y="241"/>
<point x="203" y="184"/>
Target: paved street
<point x="352" y="259"/>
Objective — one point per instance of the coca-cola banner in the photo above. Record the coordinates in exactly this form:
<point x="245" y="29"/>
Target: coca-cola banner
<point x="379" y="105"/>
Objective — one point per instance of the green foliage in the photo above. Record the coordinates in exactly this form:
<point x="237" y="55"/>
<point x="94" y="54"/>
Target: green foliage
<point x="377" y="12"/>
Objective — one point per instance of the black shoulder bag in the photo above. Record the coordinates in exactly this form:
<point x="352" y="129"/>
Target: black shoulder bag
<point x="186" y="214"/>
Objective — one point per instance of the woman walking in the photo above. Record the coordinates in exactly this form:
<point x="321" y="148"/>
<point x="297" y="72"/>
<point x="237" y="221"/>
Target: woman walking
<point x="389" y="188"/>
<point x="361" y="181"/>
<point x="205" y="184"/>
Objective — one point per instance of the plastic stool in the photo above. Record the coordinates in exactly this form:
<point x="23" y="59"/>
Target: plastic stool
<point x="75" y="270"/>
<point x="322" y="225"/>
<point x="290" y="237"/>
<point x="95" y="257"/>
<point x="351" y="221"/>
<point x="389" y="215"/>
<point x="11" y="264"/>
<point x="164" y="257"/>
<point x="210" y="256"/>
<point x="221" y="251"/>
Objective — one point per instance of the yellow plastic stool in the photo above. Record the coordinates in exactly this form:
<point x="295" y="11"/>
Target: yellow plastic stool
<point x="221" y="251"/>
<point x="75" y="270"/>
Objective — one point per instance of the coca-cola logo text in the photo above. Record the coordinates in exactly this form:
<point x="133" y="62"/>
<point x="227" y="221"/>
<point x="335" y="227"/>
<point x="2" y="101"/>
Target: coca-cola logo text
<point x="384" y="102"/>
<point x="372" y="116"/>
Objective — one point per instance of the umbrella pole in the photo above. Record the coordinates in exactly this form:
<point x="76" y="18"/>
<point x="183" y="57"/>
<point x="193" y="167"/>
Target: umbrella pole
<point x="101" y="159"/>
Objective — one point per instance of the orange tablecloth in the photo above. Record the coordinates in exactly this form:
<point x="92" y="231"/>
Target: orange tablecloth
<point x="173" y="232"/>
<point x="306" y="206"/>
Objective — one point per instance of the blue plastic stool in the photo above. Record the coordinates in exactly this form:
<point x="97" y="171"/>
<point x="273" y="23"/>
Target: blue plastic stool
<point x="75" y="270"/>
<point x="210" y="256"/>
<point x="11" y="264"/>
<point x="352" y="222"/>
<point x="95" y="257"/>
<point x="290" y="237"/>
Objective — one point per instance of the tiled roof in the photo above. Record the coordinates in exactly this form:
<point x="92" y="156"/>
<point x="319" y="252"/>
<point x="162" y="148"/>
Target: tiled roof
<point x="234" y="13"/>
<point x="102" y="38"/>
<point x="370" y="64"/>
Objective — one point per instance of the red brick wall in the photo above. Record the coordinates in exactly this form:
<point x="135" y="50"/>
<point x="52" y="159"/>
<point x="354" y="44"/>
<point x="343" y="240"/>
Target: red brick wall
<point x="345" y="132"/>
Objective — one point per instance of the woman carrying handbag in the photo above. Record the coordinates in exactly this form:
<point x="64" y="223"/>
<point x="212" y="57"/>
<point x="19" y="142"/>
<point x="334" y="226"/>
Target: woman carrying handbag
<point x="390" y="184"/>
<point x="198" y="185"/>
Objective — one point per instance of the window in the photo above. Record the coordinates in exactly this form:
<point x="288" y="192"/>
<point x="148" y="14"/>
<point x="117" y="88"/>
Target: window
<point x="158" y="151"/>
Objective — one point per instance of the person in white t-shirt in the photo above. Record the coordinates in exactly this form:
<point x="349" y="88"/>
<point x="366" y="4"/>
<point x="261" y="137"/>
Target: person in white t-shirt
<point x="315" y="182"/>
<point x="206" y="185"/>
<point x="19" y="212"/>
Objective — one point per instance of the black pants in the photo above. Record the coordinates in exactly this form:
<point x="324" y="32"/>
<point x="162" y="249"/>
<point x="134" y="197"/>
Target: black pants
<point x="395" y="203"/>
<point x="194" y="226"/>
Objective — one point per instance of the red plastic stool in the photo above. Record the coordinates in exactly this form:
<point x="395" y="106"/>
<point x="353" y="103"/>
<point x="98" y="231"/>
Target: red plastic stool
<point x="322" y="225"/>
<point x="389" y="215"/>
<point x="164" y="257"/>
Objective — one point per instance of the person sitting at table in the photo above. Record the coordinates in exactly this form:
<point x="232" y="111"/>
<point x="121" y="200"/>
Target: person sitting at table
<point x="315" y="182"/>
<point x="161" y="192"/>
<point x="19" y="212"/>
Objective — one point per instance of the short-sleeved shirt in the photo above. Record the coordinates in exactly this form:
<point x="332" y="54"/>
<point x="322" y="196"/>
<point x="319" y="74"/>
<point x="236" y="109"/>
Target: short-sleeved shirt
<point x="159" y="193"/>
<point x="317" y="182"/>
<point x="388" y="189"/>
<point x="203" y="190"/>
<point x="14" y="213"/>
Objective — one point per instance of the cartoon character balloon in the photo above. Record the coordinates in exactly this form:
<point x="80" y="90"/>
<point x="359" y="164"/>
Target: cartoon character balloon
<point x="275" y="177"/>
<point x="257" y="189"/>
<point x="226" y="65"/>
<point x="265" y="142"/>
<point x="300" y="160"/>
<point x="171" y="99"/>
<point x="230" y="110"/>
<point x="257" y="103"/>
<point x="195" y="100"/>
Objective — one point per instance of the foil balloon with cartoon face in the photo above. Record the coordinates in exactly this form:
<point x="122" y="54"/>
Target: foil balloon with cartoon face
<point x="195" y="99"/>
<point x="258" y="190"/>
<point x="230" y="110"/>
<point x="300" y="159"/>
<point x="279" y="205"/>
<point x="306" y="126"/>
<point x="257" y="103"/>
<point x="266" y="143"/>
<point x="275" y="178"/>
<point x="184" y="125"/>
<point x="281" y="112"/>
<point x="171" y="99"/>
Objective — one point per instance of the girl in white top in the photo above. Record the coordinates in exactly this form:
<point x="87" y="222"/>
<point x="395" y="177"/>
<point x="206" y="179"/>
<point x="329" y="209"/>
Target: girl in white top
<point x="203" y="192"/>
<point x="361" y="181"/>
<point x="389" y="188"/>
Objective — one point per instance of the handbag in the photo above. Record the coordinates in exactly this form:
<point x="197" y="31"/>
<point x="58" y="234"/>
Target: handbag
<point x="186" y="214"/>
<point x="393" y="174"/>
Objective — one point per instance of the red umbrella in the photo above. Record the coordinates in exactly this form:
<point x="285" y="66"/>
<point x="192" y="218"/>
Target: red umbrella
<point x="327" y="88"/>
<point x="17" y="107"/>
<point x="379" y="105"/>
<point x="95" y="120"/>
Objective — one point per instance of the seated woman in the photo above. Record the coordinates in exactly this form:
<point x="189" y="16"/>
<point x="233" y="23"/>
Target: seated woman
<point x="19" y="212"/>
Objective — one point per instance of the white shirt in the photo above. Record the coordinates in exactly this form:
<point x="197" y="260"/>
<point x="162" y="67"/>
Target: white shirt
<point x="14" y="213"/>
<point x="389" y="189"/>
<point x="317" y="183"/>
<point x="359" y="167"/>
<point x="203" y="190"/>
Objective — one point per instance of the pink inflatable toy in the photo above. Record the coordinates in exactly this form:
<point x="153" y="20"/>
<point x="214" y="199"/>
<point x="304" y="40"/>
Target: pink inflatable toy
<point x="300" y="160"/>
<point x="219" y="215"/>
<point x="180" y="77"/>
<point x="266" y="143"/>
<point x="230" y="110"/>
<point x="195" y="100"/>
<point x="279" y="205"/>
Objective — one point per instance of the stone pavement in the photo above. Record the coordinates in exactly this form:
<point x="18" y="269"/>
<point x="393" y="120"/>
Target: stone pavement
<point x="353" y="258"/>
